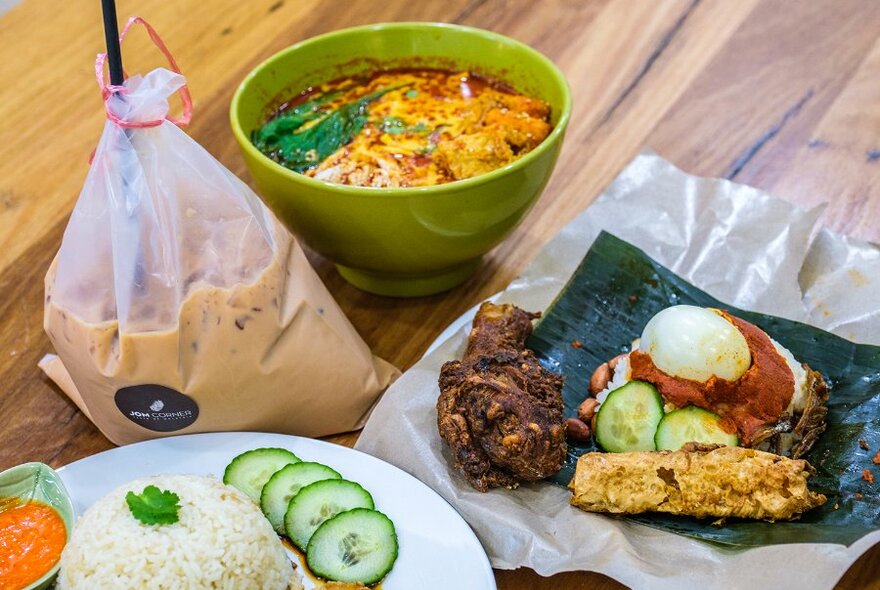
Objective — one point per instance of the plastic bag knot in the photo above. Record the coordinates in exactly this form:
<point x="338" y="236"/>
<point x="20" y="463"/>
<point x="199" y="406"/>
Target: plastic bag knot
<point x="108" y="91"/>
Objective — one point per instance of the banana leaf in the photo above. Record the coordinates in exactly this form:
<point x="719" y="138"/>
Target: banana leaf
<point x="606" y="303"/>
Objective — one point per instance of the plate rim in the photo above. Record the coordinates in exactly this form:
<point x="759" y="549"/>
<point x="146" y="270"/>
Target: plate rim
<point x="485" y="563"/>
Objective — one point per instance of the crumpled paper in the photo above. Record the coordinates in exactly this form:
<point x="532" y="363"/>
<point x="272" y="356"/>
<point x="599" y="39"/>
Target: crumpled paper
<point x="739" y="244"/>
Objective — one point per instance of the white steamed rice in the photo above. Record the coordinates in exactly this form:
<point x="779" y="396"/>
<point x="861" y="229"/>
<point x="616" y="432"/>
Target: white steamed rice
<point x="222" y="541"/>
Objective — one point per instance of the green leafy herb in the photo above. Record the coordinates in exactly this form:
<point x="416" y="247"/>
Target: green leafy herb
<point x="411" y="93"/>
<point x="614" y="292"/>
<point x="154" y="506"/>
<point x="293" y="144"/>
<point x="393" y="125"/>
<point x="291" y="120"/>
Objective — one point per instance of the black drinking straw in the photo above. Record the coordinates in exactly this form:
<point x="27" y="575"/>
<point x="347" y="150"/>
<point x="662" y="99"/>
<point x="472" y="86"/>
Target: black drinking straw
<point x="111" y="36"/>
<point x="125" y="156"/>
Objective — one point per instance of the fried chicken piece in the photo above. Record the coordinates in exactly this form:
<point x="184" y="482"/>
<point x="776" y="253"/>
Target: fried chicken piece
<point x="699" y="480"/>
<point x="466" y="156"/>
<point x="520" y="130"/>
<point x="501" y="412"/>
<point x="531" y="107"/>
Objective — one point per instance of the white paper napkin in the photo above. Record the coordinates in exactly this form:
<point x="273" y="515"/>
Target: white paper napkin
<point x="739" y="244"/>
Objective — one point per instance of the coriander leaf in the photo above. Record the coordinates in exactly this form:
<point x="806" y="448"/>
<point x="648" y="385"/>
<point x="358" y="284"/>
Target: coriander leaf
<point x="393" y="125"/>
<point x="154" y="506"/>
<point x="412" y="93"/>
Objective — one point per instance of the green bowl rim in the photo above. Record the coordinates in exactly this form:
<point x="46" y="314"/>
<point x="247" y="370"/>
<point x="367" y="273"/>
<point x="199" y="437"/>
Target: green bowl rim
<point x="369" y="191"/>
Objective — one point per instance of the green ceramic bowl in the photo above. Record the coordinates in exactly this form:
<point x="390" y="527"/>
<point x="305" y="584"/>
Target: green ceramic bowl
<point x="410" y="241"/>
<point x="36" y="481"/>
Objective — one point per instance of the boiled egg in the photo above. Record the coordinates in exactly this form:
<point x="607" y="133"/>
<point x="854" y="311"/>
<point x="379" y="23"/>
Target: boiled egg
<point x="695" y="343"/>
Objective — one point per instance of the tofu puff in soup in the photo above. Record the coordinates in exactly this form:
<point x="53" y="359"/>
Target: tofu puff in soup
<point x="404" y="128"/>
<point x="703" y="375"/>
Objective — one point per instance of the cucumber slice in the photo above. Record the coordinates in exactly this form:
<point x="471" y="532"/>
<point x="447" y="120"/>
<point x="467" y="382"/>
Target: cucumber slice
<point x="359" y="545"/>
<point x="319" y="502"/>
<point x="285" y="484"/>
<point x="691" y="424"/>
<point x="628" y="418"/>
<point x="250" y="471"/>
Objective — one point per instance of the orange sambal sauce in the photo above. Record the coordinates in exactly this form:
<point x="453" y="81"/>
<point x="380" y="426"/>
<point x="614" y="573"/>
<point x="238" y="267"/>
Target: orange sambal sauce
<point x="32" y="535"/>
<point x="432" y="127"/>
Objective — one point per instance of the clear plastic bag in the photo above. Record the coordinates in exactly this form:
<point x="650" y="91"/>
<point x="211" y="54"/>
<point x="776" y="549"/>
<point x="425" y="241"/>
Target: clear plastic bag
<point x="177" y="303"/>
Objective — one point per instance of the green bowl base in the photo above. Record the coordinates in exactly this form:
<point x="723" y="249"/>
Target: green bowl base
<point x="395" y="285"/>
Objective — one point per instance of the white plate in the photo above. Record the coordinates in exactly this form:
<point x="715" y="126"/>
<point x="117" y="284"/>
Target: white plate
<point x="438" y="550"/>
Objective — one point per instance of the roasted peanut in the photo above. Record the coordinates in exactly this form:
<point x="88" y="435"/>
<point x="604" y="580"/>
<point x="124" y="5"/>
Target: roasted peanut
<point x="593" y="422"/>
<point x="613" y="362"/>
<point x="577" y="431"/>
<point x="600" y="379"/>
<point x="587" y="409"/>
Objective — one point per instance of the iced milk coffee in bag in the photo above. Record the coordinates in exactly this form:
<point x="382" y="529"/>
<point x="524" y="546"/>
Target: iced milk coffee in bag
<point x="177" y="303"/>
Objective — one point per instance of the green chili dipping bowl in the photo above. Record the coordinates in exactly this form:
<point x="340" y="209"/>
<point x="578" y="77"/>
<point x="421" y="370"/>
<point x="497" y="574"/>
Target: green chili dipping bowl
<point x="36" y="481"/>
<point x="402" y="241"/>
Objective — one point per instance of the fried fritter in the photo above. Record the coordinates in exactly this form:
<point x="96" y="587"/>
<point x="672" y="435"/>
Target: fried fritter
<point x="699" y="480"/>
<point x="470" y="155"/>
<point x="501" y="412"/>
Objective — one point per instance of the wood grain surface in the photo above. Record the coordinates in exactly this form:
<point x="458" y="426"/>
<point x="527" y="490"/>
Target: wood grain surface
<point x="784" y="96"/>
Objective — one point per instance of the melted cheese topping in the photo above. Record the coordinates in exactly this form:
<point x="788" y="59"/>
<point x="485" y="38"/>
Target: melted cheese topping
<point x="435" y="126"/>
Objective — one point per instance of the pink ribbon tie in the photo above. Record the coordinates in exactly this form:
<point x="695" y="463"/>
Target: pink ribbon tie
<point x="108" y="90"/>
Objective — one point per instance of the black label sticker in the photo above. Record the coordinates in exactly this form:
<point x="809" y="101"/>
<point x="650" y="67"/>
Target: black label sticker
<point x="157" y="407"/>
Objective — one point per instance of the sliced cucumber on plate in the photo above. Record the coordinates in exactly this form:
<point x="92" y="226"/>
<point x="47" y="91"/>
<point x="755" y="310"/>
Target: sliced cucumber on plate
<point x="691" y="424"/>
<point x="286" y="483"/>
<point x="358" y="545"/>
<point x="628" y="418"/>
<point x="250" y="471"/>
<point x="331" y="519"/>
<point x="319" y="502"/>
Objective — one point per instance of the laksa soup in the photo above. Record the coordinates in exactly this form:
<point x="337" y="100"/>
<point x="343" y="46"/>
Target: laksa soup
<point x="404" y="128"/>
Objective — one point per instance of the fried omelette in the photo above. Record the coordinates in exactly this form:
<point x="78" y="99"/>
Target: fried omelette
<point x="499" y="410"/>
<point x="699" y="480"/>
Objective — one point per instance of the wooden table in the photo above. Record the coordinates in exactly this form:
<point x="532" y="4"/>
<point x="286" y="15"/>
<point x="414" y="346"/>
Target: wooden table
<point x="784" y="96"/>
